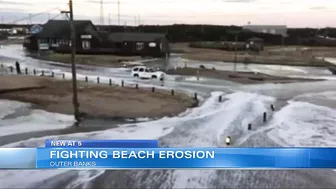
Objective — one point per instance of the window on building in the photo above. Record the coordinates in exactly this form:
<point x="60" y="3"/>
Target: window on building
<point x="139" y="46"/>
<point x="86" y="44"/>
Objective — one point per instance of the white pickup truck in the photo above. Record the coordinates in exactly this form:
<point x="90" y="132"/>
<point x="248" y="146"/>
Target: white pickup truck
<point x="144" y="72"/>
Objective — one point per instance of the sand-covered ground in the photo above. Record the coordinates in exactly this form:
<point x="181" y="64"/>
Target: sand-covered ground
<point x="237" y="77"/>
<point x="96" y="100"/>
<point x="278" y="55"/>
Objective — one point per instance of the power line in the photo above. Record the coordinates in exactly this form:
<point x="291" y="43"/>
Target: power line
<point x="119" y="12"/>
<point x="33" y="15"/>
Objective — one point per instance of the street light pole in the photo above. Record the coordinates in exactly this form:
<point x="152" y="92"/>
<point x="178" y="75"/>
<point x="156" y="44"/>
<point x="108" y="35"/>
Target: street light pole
<point x="73" y="65"/>
<point x="235" y="55"/>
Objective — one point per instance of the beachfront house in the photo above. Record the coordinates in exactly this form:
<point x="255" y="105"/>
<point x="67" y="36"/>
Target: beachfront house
<point x="56" y="34"/>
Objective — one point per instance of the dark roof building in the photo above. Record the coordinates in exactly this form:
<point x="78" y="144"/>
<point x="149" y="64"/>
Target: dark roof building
<point x="57" y="34"/>
<point x="146" y="44"/>
<point x="136" y="37"/>
<point x="255" y="40"/>
<point x="62" y="28"/>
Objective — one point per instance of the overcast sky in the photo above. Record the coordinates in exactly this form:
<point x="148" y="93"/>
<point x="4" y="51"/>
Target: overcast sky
<point x="293" y="13"/>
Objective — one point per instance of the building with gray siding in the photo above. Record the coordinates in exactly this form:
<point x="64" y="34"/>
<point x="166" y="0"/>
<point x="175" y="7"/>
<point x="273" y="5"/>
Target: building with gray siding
<point x="270" y="29"/>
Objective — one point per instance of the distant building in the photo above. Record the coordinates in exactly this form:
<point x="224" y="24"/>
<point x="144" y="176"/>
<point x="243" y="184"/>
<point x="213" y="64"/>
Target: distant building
<point x="255" y="43"/>
<point x="12" y="29"/>
<point x="270" y="29"/>
<point x="143" y="44"/>
<point x="56" y="35"/>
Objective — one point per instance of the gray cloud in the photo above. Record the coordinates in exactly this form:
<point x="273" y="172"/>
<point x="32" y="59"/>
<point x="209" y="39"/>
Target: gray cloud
<point x="239" y="1"/>
<point x="318" y="8"/>
<point x="3" y="2"/>
<point x="105" y="2"/>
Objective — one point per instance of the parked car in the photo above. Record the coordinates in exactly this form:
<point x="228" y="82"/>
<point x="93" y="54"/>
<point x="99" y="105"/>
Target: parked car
<point x="332" y="70"/>
<point x="144" y="72"/>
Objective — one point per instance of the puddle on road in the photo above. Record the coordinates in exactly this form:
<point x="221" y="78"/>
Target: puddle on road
<point x="22" y="111"/>
<point x="88" y="125"/>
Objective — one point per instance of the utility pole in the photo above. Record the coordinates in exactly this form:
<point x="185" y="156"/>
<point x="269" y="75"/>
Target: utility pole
<point x="101" y="12"/>
<point x="109" y="19"/>
<point x="109" y="28"/>
<point x="119" y="12"/>
<point x="30" y="18"/>
<point x="73" y="66"/>
<point x="283" y="45"/>
<point x="139" y="22"/>
<point x="235" y="58"/>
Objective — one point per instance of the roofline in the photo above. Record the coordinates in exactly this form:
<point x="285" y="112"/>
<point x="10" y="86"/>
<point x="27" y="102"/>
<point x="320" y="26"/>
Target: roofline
<point x="266" y="26"/>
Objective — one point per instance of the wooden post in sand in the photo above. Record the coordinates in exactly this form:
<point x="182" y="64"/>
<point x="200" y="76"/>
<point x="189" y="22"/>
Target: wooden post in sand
<point x="272" y="107"/>
<point x="197" y="75"/>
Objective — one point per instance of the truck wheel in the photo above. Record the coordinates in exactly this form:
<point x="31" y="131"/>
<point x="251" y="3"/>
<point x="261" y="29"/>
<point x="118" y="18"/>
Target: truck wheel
<point x="135" y="75"/>
<point x="154" y="77"/>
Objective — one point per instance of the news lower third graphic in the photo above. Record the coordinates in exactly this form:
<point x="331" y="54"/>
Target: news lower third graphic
<point x="146" y="154"/>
